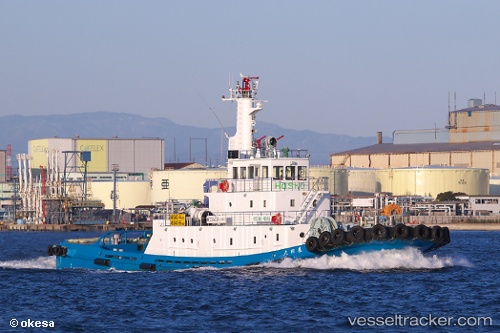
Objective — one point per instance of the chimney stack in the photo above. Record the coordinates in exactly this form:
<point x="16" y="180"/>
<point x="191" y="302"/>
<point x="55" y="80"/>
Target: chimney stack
<point x="379" y="138"/>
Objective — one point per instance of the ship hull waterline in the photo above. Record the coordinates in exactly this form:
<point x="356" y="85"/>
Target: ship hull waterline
<point x="95" y="257"/>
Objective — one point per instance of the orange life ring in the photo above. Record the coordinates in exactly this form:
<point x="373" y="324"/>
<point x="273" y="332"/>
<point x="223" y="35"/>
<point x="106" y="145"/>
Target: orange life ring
<point x="277" y="219"/>
<point x="224" y="186"/>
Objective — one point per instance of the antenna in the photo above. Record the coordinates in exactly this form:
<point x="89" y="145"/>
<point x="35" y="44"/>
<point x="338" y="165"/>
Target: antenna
<point x="448" y="102"/>
<point x="455" y="99"/>
<point x="484" y="98"/>
<point x="215" y="115"/>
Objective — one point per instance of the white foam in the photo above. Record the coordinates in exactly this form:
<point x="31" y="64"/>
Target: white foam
<point x="409" y="258"/>
<point x="36" y="263"/>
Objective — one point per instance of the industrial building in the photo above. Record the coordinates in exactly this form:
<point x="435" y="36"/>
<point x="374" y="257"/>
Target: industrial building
<point x="471" y="140"/>
<point x="133" y="156"/>
<point x="61" y="178"/>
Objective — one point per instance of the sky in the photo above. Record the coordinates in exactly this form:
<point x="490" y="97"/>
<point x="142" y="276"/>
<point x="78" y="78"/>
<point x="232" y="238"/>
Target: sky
<point x="338" y="67"/>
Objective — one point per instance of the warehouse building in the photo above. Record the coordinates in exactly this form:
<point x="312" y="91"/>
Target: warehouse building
<point x="133" y="156"/>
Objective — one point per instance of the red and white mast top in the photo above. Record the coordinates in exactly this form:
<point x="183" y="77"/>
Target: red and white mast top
<point x="243" y="140"/>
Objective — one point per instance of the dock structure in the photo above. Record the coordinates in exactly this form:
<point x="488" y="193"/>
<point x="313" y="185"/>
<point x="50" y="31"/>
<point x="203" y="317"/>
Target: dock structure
<point x="75" y="227"/>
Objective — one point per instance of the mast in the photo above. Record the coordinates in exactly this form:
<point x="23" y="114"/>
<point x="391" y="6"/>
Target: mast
<point x="242" y="143"/>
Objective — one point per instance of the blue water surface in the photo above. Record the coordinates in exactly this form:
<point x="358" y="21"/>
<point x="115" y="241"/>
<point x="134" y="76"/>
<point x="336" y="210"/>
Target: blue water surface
<point x="316" y="295"/>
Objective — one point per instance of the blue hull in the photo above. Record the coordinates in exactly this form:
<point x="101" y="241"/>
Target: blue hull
<point x="93" y="256"/>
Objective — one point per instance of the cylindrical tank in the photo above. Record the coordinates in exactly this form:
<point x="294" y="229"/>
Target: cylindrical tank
<point x="362" y="181"/>
<point x="337" y="178"/>
<point x="430" y="181"/>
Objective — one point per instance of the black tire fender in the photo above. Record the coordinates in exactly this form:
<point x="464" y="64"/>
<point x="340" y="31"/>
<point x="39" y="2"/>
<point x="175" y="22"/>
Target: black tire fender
<point x="401" y="231"/>
<point x="338" y="237"/>
<point x="422" y="232"/>
<point x="324" y="240"/>
<point x="379" y="232"/>
<point x="312" y="244"/>
<point x="368" y="234"/>
<point x="446" y="236"/>
<point x="437" y="234"/>
<point x="356" y="234"/>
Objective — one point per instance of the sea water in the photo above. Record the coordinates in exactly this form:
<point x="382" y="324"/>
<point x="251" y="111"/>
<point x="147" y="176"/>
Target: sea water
<point x="452" y="289"/>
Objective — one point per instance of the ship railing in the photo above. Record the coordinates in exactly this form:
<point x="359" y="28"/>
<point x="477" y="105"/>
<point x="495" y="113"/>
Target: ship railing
<point x="273" y="153"/>
<point x="267" y="218"/>
<point x="268" y="184"/>
<point x="272" y="184"/>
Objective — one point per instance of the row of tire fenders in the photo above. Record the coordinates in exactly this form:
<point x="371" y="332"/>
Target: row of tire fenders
<point x="338" y="237"/>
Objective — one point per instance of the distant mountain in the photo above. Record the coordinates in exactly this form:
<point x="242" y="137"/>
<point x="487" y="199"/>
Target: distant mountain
<point x="182" y="143"/>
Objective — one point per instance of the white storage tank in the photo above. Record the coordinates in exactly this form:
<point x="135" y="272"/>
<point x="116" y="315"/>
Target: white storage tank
<point x="337" y="178"/>
<point x="430" y="181"/>
<point x="363" y="181"/>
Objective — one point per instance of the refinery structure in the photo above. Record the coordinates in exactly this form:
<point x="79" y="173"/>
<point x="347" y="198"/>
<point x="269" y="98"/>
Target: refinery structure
<point x="61" y="180"/>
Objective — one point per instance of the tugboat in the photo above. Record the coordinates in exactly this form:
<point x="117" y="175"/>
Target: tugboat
<point x="266" y="209"/>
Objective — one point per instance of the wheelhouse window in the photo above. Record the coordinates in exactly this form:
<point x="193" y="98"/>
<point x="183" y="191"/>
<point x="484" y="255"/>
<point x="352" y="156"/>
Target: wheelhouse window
<point x="302" y="171"/>
<point x="265" y="171"/>
<point x="290" y="172"/>
<point x="251" y="170"/>
<point x="278" y="172"/>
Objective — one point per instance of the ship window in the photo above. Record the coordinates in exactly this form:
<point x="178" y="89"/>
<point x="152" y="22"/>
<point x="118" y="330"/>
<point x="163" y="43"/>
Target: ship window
<point x="302" y="172"/>
<point x="251" y="203"/>
<point x="183" y="240"/>
<point x="243" y="173"/>
<point x="256" y="175"/>
<point x="277" y="237"/>
<point x="278" y="172"/>
<point x="230" y="241"/>
<point x="290" y="172"/>
<point x="251" y="172"/>
<point x="292" y="202"/>
<point x="264" y="204"/>
<point x="191" y="241"/>
<point x="235" y="173"/>
<point x="214" y="240"/>
<point x="175" y="240"/>
<point x="255" y="240"/>
<point x="265" y="171"/>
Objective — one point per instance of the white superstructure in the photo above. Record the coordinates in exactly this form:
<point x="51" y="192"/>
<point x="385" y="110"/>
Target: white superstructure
<point x="265" y="202"/>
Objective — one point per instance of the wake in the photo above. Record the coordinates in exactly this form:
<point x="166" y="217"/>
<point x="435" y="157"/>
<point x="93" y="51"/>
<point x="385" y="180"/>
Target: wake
<point x="409" y="258"/>
<point x="36" y="263"/>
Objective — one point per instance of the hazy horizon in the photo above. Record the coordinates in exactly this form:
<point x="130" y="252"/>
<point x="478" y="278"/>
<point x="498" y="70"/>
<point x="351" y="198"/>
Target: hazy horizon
<point x="336" y="67"/>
